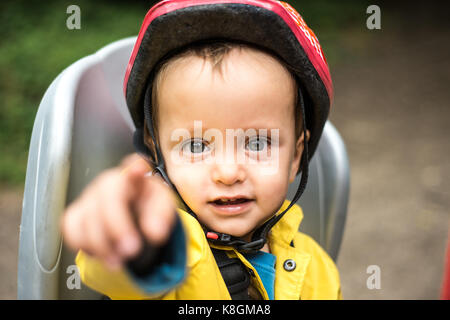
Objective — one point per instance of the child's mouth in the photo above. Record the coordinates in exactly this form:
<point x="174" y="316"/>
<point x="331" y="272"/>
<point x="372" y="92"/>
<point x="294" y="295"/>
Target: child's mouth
<point x="231" y="205"/>
<point x="230" y="202"/>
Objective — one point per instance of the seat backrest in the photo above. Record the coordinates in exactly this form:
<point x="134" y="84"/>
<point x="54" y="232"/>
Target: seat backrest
<point x="83" y="127"/>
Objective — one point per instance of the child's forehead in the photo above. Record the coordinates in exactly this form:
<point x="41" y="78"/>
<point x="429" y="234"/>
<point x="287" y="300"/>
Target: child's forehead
<point x="229" y="106"/>
<point x="253" y="90"/>
<point x="254" y="78"/>
<point x="236" y="62"/>
<point x="228" y="117"/>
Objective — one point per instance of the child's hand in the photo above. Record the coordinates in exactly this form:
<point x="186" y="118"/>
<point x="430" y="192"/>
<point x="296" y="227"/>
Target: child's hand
<point x="103" y="220"/>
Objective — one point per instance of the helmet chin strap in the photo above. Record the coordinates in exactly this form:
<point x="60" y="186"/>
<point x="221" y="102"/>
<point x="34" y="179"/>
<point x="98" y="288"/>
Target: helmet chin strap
<point x="259" y="237"/>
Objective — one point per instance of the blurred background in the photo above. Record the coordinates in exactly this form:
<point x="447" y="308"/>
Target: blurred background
<point x="391" y="107"/>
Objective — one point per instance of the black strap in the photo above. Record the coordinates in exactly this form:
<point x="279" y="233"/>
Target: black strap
<point x="234" y="273"/>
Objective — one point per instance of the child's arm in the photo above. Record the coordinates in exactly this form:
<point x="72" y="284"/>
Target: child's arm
<point x="166" y="273"/>
<point x="103" y="222"/>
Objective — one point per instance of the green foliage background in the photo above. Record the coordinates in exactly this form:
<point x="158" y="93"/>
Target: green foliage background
<point x="35" y="46"/>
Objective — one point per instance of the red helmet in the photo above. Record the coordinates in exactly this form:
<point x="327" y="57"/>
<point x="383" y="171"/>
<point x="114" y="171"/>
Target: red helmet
<point x="274" y="25"/>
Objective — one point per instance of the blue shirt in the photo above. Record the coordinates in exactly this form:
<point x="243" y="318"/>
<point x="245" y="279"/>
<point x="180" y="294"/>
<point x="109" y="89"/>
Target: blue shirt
<point x="264" y="263"/>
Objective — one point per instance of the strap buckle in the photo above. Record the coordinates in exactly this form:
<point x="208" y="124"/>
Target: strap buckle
<point x="239" y="244"/>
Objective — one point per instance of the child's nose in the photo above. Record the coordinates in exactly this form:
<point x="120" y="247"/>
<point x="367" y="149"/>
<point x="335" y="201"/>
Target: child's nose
<point x="228" y="174"/>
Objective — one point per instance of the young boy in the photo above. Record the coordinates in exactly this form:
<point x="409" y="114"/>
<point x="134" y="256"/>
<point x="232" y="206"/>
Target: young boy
<point x="222" y="119"/>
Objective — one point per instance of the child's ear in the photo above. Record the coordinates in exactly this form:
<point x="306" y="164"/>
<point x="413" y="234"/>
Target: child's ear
<point x="297" y="156"/>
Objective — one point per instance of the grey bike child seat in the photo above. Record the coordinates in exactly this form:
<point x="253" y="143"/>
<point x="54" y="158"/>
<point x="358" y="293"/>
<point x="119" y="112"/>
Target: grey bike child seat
<point x="83" y="127"/>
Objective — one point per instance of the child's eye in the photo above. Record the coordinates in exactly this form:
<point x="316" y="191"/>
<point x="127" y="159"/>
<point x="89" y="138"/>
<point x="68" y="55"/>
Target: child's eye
<point x="257" y="144"/>
<point x="195" y="146"/>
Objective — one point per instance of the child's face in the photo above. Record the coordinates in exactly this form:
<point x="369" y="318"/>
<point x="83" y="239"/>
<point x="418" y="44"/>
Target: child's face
<point x="253" y="91"/>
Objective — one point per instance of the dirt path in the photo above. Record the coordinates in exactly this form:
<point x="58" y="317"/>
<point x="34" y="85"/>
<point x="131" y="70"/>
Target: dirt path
<point x="392" y="109"/>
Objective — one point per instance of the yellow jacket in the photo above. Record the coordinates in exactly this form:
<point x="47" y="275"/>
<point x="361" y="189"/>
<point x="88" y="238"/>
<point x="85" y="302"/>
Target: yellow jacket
<point x="314" y="277"/>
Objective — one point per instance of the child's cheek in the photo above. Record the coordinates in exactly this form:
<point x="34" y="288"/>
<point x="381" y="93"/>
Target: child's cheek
<point x="272" y="182"/>
<point x="189" y="181"/>
<point x="272" y="189"/>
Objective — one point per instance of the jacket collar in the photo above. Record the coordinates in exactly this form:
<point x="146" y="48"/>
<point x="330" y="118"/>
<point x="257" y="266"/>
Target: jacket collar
<point x="287" y="227"/>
